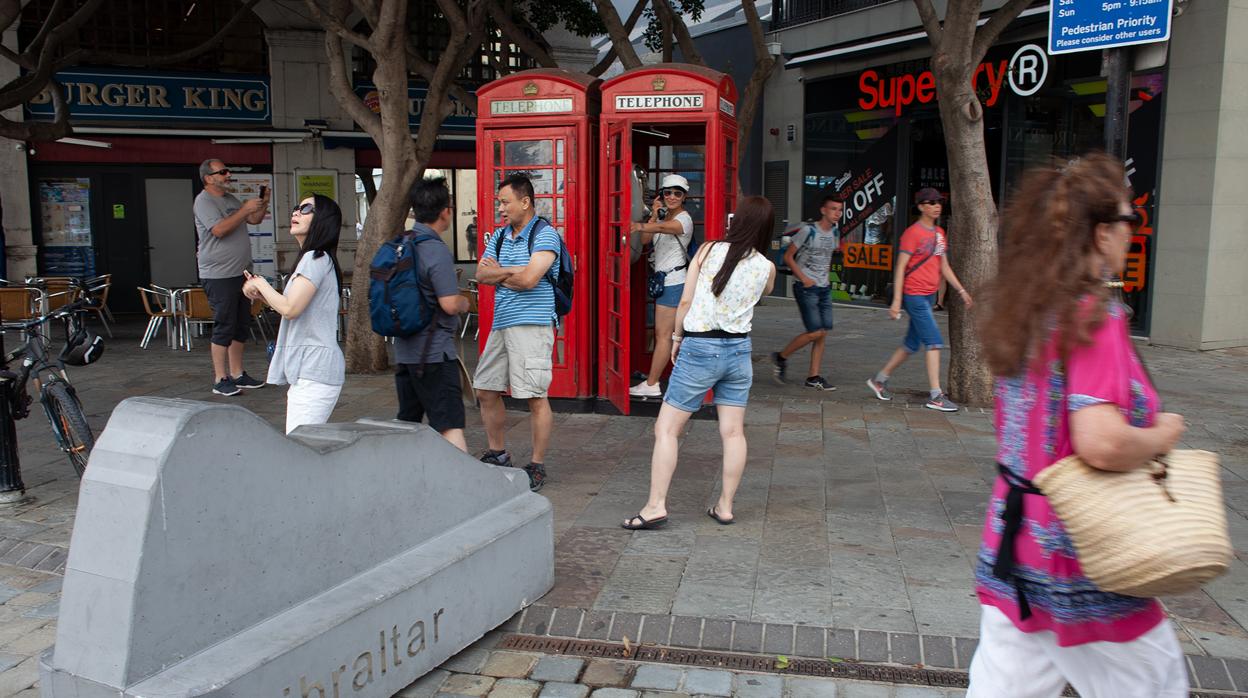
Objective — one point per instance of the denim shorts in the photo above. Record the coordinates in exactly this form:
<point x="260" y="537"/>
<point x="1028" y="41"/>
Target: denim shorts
<point x="923" y="331"/>
<point x="671" y="295"/>
<point x="707" y="363"/>
<point x="815" y="305"/>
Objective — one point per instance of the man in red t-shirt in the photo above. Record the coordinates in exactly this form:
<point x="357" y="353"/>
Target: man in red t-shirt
<point x="922" y="258"/>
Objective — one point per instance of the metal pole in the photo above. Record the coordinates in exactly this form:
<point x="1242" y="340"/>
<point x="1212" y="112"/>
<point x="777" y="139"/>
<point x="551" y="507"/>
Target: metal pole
<point x="1117" y="73"/>
<point x="12" y="490"/>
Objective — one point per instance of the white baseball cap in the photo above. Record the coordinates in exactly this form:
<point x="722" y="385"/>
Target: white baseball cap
<point x="675" y="180"/>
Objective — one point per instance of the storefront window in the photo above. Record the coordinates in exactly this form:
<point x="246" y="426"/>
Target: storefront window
<point x="462" y="235"/>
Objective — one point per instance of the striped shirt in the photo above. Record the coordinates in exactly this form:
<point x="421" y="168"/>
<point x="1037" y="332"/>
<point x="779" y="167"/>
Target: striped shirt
<point x="535" y="306"/>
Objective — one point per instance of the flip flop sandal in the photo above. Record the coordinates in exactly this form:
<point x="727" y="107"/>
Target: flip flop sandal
<point x="644" y="525"/>
<point x="718" y="519"/>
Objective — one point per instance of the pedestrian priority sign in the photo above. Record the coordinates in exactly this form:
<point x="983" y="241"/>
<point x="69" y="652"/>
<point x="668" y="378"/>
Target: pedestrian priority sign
<point x="1088" y="25"/>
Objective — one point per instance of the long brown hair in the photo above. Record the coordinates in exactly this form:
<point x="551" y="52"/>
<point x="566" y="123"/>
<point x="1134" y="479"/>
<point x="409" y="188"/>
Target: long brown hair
<point x="1043" y="273"/>
<point x="751" y="229"/>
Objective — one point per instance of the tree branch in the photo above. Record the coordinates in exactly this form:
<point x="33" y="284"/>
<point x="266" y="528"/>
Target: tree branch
<point x="619" y="36"/>
<point x="41" y="131"/>
<point x="10" y="10"/>
<point x="687" y="50"/>
<point x="340" y="80"/>
<point x="601" y="66"/>
<point x="931" y="23"/>
<point x="518" y="36"/>
<point x="24" y="88"/>
<point x="990" y="32"/>
<point x="337" y="26"/>
<point x="54" y="16"/>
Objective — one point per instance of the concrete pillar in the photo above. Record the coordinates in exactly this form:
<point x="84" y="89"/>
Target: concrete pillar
<point x="299" y="74"/>
<point x="1200" y="291"/>
<point x="570" y="51"/>
<point x="19" y="248"/>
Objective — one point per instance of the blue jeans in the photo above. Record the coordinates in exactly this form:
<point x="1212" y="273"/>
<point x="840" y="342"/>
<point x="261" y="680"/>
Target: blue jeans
<point x="707" y="363"/>
<point x="671" y="295"/>
<point x="923" y="331"/>
<point x="815" y="305"/>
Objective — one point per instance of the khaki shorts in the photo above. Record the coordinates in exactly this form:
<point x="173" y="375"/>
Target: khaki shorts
<point x="518" y="357"/>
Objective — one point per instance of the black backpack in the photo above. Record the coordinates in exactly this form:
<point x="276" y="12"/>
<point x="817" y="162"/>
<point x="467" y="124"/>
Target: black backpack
<point x="561" y="285"/>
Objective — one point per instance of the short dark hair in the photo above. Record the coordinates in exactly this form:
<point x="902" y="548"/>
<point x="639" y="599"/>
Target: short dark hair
<point x="520" y="185"/>
<point x="429" y="197"/>
<point x="830" y="197"/>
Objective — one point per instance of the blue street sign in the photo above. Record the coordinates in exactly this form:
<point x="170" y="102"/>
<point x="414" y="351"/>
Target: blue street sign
<point x="1088" y="25"/>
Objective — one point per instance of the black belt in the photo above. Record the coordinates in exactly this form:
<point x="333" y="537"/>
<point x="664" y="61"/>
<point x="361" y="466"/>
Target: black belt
<point x="1012" y="517"/>
<point x="718" y="334"/>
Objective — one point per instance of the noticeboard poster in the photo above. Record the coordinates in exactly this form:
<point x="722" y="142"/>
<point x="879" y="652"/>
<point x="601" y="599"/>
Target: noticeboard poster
<point x="65" y="212"/>
<point x="309" y="182"/>
<point x="262" y="234"/>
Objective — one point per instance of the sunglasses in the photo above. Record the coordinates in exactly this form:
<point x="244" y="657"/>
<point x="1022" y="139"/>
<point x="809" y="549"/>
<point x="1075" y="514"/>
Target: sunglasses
<point x="1133" y="219"/>
<point x="305" y="210"/>
<point x="673" y="192"/>
<point x="222" y="171"/>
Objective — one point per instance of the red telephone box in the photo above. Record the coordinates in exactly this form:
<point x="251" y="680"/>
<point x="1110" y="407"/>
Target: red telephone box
<point x="542" y="123"/>
<point x="665" y="119"/>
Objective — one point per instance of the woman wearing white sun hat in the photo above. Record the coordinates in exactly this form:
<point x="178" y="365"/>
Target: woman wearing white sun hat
<point x="670" y="259"/>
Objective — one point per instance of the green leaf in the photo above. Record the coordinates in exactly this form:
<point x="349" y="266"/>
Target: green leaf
<point x="782" y="662"/>
<point x="835" y="660"/>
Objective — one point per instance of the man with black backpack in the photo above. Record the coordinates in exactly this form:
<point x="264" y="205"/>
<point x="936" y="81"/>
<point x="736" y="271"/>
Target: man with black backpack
<point x="427" y="379"/>
<point x="521" y="259"/>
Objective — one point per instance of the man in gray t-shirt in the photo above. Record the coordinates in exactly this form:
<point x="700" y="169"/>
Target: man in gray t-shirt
<point x="809" y="257"/>
<point x="427" y="378"/>
<point x="224" y="254"/>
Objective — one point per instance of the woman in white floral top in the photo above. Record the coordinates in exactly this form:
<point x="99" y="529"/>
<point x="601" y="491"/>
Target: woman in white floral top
<point x="711" y="351"/>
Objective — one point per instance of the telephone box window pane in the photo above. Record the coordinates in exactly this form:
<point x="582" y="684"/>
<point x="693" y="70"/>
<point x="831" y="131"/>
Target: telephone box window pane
<point x="543" y="181"/>
<point x="559" y="176"/>
<point x="521" y="153"/>
<point x="544" y="208"/>
<point x="498" y="154"/>
<point x="559" y="209"/>
<point x="559" y="152"/>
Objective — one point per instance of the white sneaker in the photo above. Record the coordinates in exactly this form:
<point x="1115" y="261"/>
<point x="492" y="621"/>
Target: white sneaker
<point x="644" y="389"/>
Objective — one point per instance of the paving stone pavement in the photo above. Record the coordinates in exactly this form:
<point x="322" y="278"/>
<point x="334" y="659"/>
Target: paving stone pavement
<point x="857" y="520"/>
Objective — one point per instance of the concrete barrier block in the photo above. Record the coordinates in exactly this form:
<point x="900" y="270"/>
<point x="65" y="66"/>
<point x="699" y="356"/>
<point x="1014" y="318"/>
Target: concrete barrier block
<point x="214" y="556"/>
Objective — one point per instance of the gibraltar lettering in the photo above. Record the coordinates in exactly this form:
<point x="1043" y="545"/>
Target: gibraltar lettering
<point x="657" y="102"/>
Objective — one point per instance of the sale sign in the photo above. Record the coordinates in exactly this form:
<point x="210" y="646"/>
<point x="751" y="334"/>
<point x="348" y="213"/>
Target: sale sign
<point x="878" y="257"/>
<point x="868" y="189"/>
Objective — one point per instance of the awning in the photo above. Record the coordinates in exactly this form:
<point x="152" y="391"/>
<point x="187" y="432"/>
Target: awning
<point x="851" y="48"/>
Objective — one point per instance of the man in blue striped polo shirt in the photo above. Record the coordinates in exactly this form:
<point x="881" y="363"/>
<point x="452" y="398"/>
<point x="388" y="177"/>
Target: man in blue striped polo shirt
<point x="517" y="354"/>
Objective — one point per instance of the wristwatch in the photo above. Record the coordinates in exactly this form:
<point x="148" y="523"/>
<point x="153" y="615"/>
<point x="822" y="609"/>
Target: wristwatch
<point x="677" y="337"/>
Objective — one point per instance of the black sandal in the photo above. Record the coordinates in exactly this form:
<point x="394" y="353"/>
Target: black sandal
<point x="644" y="525"/>
<point x="718" y="519"/>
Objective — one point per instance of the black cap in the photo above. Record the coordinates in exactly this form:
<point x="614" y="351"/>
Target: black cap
<point x="928" y="194"/>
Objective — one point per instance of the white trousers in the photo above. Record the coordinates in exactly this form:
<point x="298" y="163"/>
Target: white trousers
<point x="1010" y="662"/>
<point x="310" y="402"/>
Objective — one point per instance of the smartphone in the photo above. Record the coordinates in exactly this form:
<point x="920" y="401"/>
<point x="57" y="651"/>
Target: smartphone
<point x="662" y="214"/>
<point x="263" y="191"/>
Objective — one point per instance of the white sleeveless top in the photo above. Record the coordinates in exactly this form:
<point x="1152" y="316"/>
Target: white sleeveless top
<point x="733" y="310"/>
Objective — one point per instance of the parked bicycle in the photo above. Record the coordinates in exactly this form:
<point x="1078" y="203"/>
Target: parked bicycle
<point x="56" y="394"/>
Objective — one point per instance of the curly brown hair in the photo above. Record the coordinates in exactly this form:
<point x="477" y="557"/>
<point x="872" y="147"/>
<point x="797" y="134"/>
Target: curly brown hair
<point x="1043" y="273"/>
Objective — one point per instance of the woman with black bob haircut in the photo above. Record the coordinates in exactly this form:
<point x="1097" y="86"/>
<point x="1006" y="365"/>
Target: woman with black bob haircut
<point x="711" y="351"/>
<point x="307" y="356"/>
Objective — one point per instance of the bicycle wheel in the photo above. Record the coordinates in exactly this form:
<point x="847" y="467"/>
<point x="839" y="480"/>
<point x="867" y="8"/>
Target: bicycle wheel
<point x="69" y="424"/>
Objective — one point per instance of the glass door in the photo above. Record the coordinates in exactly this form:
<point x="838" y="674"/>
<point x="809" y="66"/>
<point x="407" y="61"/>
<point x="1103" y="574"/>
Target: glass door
<point x="616" y="260"/>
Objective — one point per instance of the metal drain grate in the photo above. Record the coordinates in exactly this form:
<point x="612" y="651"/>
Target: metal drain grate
<point x="736" y="662"/>
<point x="883" y="673"/>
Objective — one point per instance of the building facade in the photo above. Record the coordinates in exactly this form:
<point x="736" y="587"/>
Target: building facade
<point x="853" y="112"/>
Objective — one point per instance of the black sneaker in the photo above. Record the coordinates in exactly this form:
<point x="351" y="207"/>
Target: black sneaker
<point x="781" y="363"/>
<point x="226" y="386"/>
<point x="247" y="382"/>
<point x="818" y="383"/>
<point x="502" y="458"/>
<point x="537" y="476"/>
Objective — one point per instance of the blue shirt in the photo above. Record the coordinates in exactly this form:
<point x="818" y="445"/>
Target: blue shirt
<point x="534" y="306"/>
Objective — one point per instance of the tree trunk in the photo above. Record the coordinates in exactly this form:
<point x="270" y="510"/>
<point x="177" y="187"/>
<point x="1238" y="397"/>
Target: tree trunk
<point x="972" y="229"/>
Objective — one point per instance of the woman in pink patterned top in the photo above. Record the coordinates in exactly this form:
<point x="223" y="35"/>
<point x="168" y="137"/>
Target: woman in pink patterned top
<point x="1068" y="380"/>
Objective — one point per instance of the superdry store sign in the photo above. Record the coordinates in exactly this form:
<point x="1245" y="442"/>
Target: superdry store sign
<point x="1024" y="73"/>
<point x="116" y="95"/>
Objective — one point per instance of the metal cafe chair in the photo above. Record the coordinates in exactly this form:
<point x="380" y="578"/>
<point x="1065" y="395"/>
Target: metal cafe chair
<point x="161" y="310"/>
<point x="193" y="309"/>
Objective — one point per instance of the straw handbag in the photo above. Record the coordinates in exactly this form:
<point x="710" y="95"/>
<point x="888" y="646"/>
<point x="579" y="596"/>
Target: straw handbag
<point x="1155" y="531"/>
